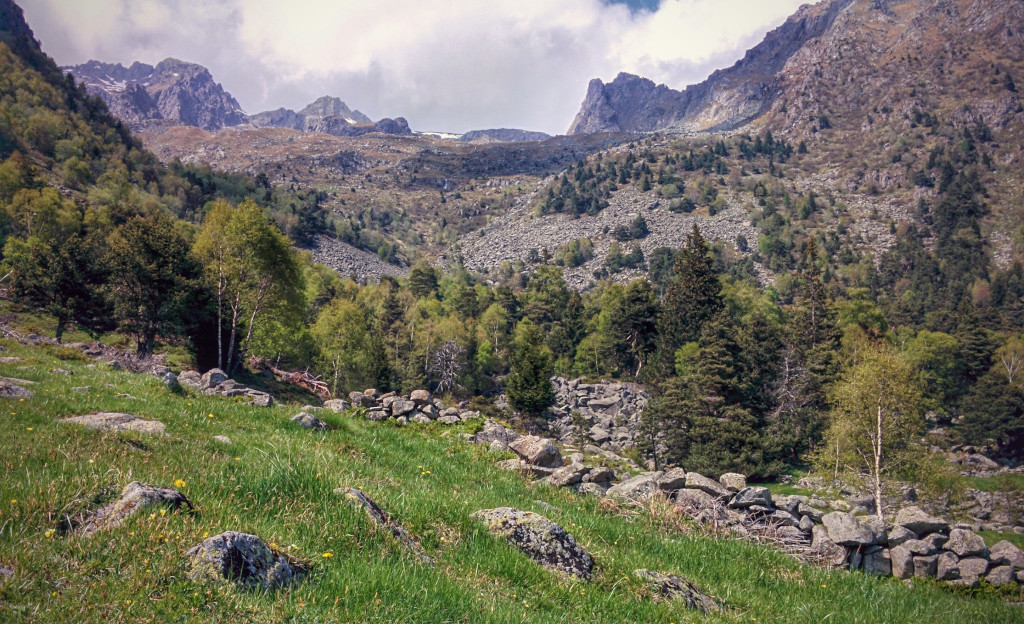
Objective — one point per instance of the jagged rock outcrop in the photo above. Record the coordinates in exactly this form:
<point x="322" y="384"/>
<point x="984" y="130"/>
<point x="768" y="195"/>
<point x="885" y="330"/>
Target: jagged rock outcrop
<point x="241" y="558"/>
<point x="172" y="91"/>
<point x="606" y="414"/>
<point x="382" y="519"/>
<point x="542" y="540"/>
<point x="134" y="498"/>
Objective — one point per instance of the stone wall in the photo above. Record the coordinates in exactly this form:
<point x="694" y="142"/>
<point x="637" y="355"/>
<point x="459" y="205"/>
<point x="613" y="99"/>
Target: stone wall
<point x="605" y="414"/>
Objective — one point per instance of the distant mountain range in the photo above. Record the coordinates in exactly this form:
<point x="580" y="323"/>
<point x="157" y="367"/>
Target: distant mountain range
<point x="178" y="93"/>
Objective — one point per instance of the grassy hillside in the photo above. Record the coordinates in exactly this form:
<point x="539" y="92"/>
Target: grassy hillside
<point x="276" y="480"/>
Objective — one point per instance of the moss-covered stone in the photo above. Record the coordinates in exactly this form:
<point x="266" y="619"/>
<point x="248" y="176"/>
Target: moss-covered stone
<point x="542" y="540"/>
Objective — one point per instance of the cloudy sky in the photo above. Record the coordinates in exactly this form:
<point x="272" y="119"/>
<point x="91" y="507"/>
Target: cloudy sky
<point x="445" y="65"/>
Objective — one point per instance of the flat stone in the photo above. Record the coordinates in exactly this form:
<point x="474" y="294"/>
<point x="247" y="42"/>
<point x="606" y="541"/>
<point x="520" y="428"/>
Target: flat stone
<point x="601" y="474"/>
<point x="402" y="407"/>
<point x="783" y="518"/>
<point x="134" y="497"/>
<point x="11" y="391"/>
<point x="965" y="544"/>
<point x="568" y="475"/>
<point x="813" y="513"/>
<point x="241" y="558"/>
<point x="212" y="378"/>
<point x="920" y="547"/>
<point x="915" y="519"/>
<point x="733" y="481"/>
<point x="451" y="419"/>
<point x="700" y="482"/>
<point x="221" y="439"/>
<point x="592" y="489"/>
<point x="541" y="539"/>
<point x="420" y="397"/>
<point x="678" y="588"/>
<point x="117" y="421"/>
<point x="494" y="432"/>
<point x="421" y="419"/>
<point x="309" y="421"/>
<point x="518" y="465"/>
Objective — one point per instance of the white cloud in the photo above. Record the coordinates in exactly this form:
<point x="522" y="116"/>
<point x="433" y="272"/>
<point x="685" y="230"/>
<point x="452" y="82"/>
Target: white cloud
<point x="443" y="64"/>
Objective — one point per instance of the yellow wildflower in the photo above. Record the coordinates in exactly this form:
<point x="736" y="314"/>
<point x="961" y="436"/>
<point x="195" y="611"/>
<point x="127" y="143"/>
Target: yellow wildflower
<point x="327" y="555"/>
<point x="179" y="483"/>
<point x="50" y="533"/>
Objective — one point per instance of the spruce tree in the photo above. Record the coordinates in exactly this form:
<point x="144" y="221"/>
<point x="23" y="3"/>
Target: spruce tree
<point x="528" y="385"/>
<point x="693" y="296"/>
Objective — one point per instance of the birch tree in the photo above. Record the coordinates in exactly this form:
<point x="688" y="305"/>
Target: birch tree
<point x="876" y="414"/>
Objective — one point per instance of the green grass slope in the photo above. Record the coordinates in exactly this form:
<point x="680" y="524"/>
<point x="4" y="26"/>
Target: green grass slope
<point x="276" y="480"/>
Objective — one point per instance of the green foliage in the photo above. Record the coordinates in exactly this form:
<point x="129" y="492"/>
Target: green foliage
<point x="692" y="297"/>
<point x="528" y="385"/>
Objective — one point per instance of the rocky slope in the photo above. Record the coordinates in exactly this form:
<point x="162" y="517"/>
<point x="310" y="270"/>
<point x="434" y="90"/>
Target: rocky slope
<point x="502" y="135"/>
<point x="173" y="91"/>
<point x="834" y="60"/>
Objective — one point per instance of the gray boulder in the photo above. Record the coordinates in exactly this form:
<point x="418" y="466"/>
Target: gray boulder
<point x="926" y="566"/>
<point x="813" y="513"/>
<point x="712" y="487"/>
<point x="117" y="421"/>
<point x="450" y="419"/>
<point x="678" y="588"/>
<point x="309" y="421"/>
<point x="539" y="538"/>
<point x="947" y="567"/>
<point x="848" y="530"/>
<point x="898" y="535"/>
<point x="827" y="550"/>
<point x="915" y="519"/>
<point x="421" y="419"/>
<point x="12" y="391"/>
<point x="221" y="439"/>
<point x="336" y="405"/>
<point x="966" y="544"/>
<point x="672" y="480"/>
<point x="920" y="547"/>
<point x="733" y="481"/>
<point x="493" y="432"/>
<point x="420" y="397"/>
<point x="402" y="407"/>
<point x="877" y="562"/>
<point x="134" y="497"/>
<point x="1007" y="553"/>
<point x="1001" y="575"/>
<point x="212" y="378"/>
<point x="972" y="568"/>
<point x="638" y="488"/>
<point x="537" y="451"/>
<point x="806" y="524"/>
<point x="568" y="475"/>
<point x="243" y="559"/>
<point x="750" y="496"/>
<point x="601" y="474"/>
<point x="902" y="562"/>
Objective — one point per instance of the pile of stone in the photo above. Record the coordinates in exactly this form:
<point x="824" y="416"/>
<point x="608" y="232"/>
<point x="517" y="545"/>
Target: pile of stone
<point x="215" y="382"/>
<point x="605" y="414"/>
<point x="418" y="407"/>
<point x="915" y="544"/>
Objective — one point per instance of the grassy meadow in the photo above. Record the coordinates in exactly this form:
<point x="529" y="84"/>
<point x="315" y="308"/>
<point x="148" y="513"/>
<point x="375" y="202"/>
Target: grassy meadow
<point x="277" y="480"/>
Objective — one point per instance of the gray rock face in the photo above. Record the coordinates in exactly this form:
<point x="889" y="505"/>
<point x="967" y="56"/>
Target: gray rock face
<point x="134" y="497"/>
<point x="899" y="534"/>
<point x="673" y="479"/>
<point x="678" y="588"/>
<point x="902" y="562"/>
<point x="915" y="519"/>
<point x="926" y="566"/>
<point x="1002" y="575"/>
<point x="241" y="558"/>
<point x="829" y="551"/>
<point x="494" y="432"/>
<point x="878" y="562"/>
<point x="309" y="421"/>
<point x="568" y="475"/>
<point x="848" y="530"/>
<point x="502" y="135"/>
<point x="972" y="568"/>
<point x="537" y="451"/>
<point x="12" y="391"/>
<point x="966" y="544"/>
<point x="947" y="567"/>
<point x="117" y="421"/>
<point x="539" y="538"/>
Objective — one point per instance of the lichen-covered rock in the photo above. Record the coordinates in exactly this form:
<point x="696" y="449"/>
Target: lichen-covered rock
<point x="134" y="497"/>
<point x="926" y="566"/>
<point x="537" y="451"/>
<point x="915" y="519"/>
<point x="12" y="391"/>
<point x="420" y="397"/>
<point x="541" y="539"/>
<point x="830" y="552"/>
<point x="965" y="544"/>
<point x="309" y="421"/>
<point x="450" y="419"/>
<point x="212" y="378"/>
<point x="902" y="562"/>
<point x="700" y="482"/>
<point x="877" y="562"/>
<point x="1006" y="553"/>
<point x="898" y="535"/>
<point x="678" y="588"/>
<point x="381" y="518"/>
<point x="494" y="432"/>
<point x="947" y="567"/>
<point x="848" y="530"/>
<point x="971" y="568"/>
<point x="733" y="481"/>
<point x="920" y="547"/>
<point x="402" y="407"/>
<point x="1000" y="575"/>
<point x="242" y="558"/>
<point x="117" y="421"/>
